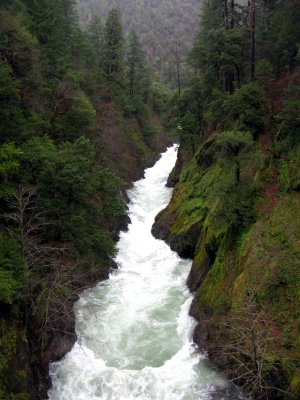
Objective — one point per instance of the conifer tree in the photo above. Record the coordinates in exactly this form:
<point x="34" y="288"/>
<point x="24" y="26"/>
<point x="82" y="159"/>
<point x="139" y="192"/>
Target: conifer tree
<point x="96" y="36"/>
<point x="113" y="53"/>
<point x="54" y="25"/>
<point x="138" y="72"/>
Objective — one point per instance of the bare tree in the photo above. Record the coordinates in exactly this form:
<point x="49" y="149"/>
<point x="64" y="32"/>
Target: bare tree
<point x="26" y="223"/>
<point x="54" y="281"/>
<point x="253" y="336"/>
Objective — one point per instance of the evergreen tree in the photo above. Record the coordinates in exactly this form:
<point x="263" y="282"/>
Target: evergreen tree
<point x="11" y="117"/>
<point x="138" y="70"/>
<point x="96" y="37"/>
<point x="54" y="25"/>
<point x="113" y="52"/>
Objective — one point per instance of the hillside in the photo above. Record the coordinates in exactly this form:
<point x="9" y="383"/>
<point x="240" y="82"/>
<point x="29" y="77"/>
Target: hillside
<point x="160" y="24"/>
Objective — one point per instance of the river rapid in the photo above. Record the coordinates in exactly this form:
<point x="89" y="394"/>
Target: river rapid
<point x="134" y="331"/>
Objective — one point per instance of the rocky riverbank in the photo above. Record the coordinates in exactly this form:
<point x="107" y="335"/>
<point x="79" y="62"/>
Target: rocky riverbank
<point x="245" y="278"/>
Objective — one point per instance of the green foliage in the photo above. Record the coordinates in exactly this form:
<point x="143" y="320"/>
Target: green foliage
<point x="10" y="115"/>
<point x="235" y="203"/>
<point x="289" y="118"/>
<point x="158" y="25"/>
<point x="12" y="269"/>
<point x="245" y="109"/>
<point x="189" y="126"/>
<point x="24" y="61"/>
<point x="112" y="204"/>
<point x="9" y="168"/>
<point x="113" y="51"/>
<point x="240" y="186"/>
<point x="81" y="117"/>
<point x="264" y="72"/>
<point x="138" y="70"/>
<point x="289" y="171"/>
<point x="190" y="109"/>
<point x="68" y="180"/>
<point x="280" y="34"/>
<point x="66" y="120"/>
<point x="54" y="25"/>
<point x="143" y="116"/>
<point x="233" y="142"/>
<point x="96" y="36"/>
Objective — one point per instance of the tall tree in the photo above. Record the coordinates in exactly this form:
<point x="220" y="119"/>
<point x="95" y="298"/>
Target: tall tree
<point x="96" y="36"/>
<point x="138" y="72"/>
<point x="113" y="53"/>
<point x="54" y="25"/>
<point x="252" y="26"/>
<point x="178" y="67"/>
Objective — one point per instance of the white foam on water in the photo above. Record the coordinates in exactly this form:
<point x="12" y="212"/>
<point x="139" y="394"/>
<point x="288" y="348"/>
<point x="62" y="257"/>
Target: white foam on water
<point x="134" y="331"/>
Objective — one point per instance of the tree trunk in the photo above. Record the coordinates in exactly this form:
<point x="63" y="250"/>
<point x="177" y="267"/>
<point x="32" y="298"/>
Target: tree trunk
<point x="226" y="14"/>
<point x="178" y="69"/>
<point x="228" y="24"/>
<point x="232" y="19"/>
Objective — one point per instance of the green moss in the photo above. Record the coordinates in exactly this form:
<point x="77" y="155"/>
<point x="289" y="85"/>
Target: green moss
<point x="215" y="292"/>
<point x="190" y="203"/>
<point x="295" y="384"/>
<point x="269" y="255"/>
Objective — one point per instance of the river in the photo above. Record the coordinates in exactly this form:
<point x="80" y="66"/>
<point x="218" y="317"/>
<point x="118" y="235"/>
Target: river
<point x="134" y="331"/>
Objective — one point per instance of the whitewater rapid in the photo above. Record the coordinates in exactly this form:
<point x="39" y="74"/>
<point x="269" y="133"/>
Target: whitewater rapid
<point x="134" y="331"/>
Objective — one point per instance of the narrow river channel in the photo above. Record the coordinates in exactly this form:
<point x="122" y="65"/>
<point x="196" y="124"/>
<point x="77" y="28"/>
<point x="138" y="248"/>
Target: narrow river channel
<point x="134" y="331"/>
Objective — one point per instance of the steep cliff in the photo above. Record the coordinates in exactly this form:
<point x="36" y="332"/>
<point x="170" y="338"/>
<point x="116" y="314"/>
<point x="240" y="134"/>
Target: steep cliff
<point x="244" y="241"/>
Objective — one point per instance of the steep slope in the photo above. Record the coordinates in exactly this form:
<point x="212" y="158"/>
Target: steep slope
<point x="235" y="207"/>
<point x="71" y="142"/>
<point x="246" y="281"/>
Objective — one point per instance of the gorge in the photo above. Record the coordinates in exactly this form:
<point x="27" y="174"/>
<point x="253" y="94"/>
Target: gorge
<point x="134" y="331"/>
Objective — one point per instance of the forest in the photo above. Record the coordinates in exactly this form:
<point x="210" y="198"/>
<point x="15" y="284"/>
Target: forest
<point x="79" y="121"/>
<point x="89" y="97"/>
<point x="165" y="27"/>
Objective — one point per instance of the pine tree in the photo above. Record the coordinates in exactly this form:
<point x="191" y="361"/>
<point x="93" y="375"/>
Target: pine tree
<point x="113" y="53"/>
<point x="252" y="30"/>
<point x="138" y="71"/>
<point x="54" y="25"/>
<point x="96" y="36"/>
